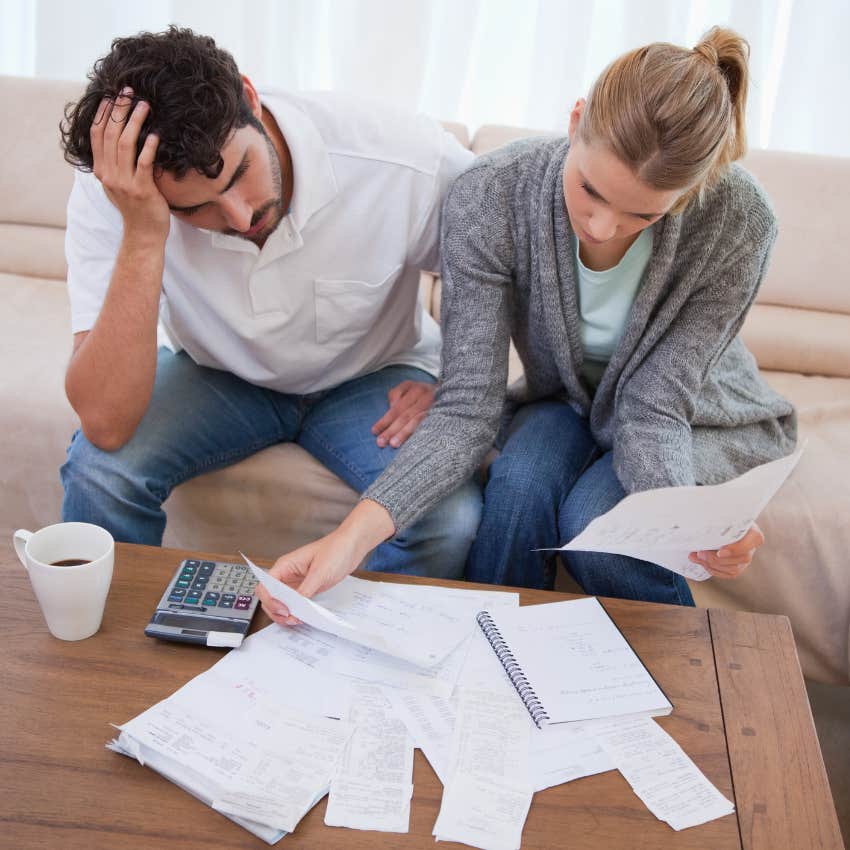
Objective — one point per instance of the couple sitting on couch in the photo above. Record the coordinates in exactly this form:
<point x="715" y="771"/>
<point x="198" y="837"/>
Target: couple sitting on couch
<point x="279" y="242"/>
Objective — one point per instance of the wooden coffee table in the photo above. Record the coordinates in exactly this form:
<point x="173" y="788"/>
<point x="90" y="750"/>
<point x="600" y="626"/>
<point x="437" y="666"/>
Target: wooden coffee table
<point x="741" y="713"/>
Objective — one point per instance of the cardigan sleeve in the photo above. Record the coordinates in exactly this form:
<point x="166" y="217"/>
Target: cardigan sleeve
<point x="477" y="260"/>
<point x="652" y="428"/>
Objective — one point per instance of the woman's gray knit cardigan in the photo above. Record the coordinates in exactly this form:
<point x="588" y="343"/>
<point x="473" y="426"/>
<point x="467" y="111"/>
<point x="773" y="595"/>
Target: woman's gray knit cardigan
<point x="681" y="401"/>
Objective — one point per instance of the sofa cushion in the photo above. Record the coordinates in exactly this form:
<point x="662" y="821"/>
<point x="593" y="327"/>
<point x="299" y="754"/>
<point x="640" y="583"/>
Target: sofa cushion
<point x="36" y="420"/>
<point x="268" y="504"/>
<point x="36" y="190"/>
<point x="812" y="253"/>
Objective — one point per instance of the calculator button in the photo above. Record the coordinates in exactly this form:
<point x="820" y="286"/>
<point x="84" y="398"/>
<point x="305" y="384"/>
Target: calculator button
<point x="181" y="583"/>
<point x="207" y="565"/>
<point x="178" y="591"/>
<point x="175" y="598"/>
<point x="225" y="603"/>
<point x="200" y="583"/>
<point x="191" y="563"/>
<point x="192" y="600"/>
<point x="229" y="596"/>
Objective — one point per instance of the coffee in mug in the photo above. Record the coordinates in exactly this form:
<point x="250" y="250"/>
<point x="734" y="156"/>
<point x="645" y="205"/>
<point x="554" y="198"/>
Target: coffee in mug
<point x="70" y="569"/>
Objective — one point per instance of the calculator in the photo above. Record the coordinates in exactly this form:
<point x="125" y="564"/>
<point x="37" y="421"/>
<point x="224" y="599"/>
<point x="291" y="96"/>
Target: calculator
<point x="206" y="602"/>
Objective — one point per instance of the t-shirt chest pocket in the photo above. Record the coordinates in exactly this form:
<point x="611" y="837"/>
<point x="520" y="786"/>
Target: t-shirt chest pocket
<point x="347" y="309"/>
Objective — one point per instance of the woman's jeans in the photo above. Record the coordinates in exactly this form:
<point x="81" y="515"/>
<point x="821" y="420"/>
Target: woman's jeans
<point x="201" y="419"/>
<point x="548" y="483"/>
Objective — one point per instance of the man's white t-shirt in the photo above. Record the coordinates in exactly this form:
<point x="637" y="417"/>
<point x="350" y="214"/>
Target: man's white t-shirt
<point x="333" y="294"/>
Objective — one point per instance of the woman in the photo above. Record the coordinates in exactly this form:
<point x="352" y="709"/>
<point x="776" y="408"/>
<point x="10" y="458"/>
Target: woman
<point x="622" y="262"/>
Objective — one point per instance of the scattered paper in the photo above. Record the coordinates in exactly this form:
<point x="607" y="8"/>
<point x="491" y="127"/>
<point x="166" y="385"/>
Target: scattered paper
<point x="664" y="526"/>
<point x="374" y="782"/>
<point x="430" y="720"/>
<point x="486" y="800"/>
<point x="253" y="737"/>
<point x="377" y="617"/>
<point x="335" y="658"/>
<point x="660" y="773"/>
<point x="564" y="753"/>
<point x="483" y="813"/>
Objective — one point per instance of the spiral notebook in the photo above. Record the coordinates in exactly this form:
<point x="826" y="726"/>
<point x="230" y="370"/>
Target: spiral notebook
<point x="569" y="662"/>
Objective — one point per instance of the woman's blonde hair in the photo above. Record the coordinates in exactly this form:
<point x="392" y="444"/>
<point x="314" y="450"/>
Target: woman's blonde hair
<point x="675" y="116"/>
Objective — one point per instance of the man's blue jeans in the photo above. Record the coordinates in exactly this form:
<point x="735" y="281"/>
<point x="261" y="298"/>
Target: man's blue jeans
<point x="202" y="419"/>
<point x="548" y="483"/>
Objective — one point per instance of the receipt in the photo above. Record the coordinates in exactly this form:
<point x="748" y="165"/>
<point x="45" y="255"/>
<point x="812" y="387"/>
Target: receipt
<point x="660" y="773"/>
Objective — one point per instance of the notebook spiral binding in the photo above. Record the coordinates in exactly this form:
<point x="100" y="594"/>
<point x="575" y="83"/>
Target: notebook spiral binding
<point x="512" y="668"/>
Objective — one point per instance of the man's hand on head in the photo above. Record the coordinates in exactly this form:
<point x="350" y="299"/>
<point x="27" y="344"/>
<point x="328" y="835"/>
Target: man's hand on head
<point x="410" y="402"/>
<point x="127" y="178"/>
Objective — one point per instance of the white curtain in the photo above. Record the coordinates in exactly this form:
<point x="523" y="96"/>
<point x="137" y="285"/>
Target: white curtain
<point x="516" y="62"/>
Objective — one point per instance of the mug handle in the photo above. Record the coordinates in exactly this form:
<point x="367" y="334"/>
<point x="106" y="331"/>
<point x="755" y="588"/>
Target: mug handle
<point x="20" y="538"/>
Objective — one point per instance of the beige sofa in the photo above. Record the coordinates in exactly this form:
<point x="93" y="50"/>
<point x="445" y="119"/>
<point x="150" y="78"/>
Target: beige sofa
<point x="799" y="331"/>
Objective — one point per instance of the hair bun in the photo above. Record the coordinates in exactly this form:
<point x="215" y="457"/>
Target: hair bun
<point x="708" y="52"/>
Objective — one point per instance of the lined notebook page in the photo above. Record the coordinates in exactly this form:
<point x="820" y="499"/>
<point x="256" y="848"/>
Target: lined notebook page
<point x="575" y="660"/>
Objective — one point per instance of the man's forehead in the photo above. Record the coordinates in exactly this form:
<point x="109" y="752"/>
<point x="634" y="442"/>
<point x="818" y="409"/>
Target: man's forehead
<point x="177" y="189"/>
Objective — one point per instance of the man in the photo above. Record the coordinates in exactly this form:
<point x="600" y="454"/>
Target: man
<point x="278" y="244"/>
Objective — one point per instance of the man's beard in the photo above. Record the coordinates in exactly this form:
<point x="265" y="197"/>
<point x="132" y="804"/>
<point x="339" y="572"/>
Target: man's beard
<point x="275" y="205"/>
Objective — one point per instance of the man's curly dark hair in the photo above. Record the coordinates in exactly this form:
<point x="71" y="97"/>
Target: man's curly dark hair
<point x="194" y="90"/>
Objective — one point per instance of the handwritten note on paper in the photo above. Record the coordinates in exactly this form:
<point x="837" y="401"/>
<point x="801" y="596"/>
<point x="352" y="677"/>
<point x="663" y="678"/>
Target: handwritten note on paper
<point x="660" y="773"/>
<point x="664" y="526"/>
<point x="577" y="663"/>
<point x="374" y="783"/>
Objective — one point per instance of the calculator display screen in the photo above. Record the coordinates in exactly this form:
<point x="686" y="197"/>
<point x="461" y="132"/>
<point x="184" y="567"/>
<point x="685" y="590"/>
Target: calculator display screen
<point x="192" y="621"/>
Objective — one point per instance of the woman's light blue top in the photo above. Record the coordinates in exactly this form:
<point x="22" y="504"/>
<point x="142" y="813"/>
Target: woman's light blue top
<point x="605" y="299"/>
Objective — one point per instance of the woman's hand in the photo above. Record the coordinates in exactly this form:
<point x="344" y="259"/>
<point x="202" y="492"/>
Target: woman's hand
<point x="323" y="563"/>
<point x="310" y="569"/>
<point x="731" y="560"/>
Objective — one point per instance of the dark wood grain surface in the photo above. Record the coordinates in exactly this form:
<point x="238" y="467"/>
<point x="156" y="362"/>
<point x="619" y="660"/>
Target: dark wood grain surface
<point x="62" y="789"/>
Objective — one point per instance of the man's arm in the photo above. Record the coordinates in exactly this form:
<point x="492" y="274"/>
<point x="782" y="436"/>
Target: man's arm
<point x="111" y="373"/>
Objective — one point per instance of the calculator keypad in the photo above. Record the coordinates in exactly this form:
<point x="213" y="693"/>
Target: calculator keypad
<point x="214" y="585"/>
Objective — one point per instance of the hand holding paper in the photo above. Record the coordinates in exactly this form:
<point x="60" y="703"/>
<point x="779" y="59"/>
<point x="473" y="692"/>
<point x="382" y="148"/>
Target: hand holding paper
<point x="378" y="618"/>
<point x="664" y="526"/>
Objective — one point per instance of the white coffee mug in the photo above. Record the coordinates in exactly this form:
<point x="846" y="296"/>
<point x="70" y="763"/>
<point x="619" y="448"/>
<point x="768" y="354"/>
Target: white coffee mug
<point x="72" y="598"/>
